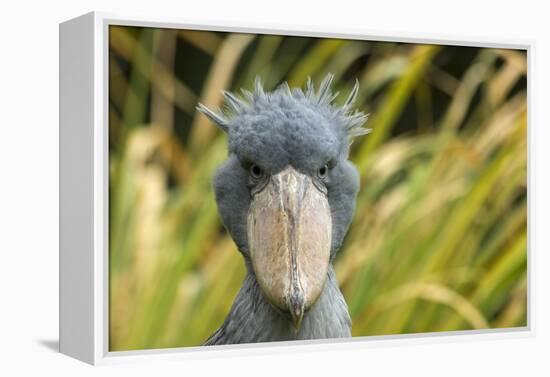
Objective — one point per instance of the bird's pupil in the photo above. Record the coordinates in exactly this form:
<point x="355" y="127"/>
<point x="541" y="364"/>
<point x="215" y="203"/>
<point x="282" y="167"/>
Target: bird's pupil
<point x="323" y="171"/>
<point x="256" y="171"/>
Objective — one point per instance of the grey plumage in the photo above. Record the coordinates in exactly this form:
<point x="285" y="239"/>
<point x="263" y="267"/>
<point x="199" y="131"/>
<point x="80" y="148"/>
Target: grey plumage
<point x="252" y="319"/>
<point x="342" y="118"/>
<point x="305" y="130"/>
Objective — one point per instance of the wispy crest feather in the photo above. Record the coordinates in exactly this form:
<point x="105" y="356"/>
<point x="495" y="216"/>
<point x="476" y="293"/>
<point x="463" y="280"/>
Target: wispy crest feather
<point x="234" y="105"/>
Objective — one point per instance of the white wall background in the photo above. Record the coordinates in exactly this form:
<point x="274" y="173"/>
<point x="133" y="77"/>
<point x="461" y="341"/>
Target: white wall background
<point x="29" y="184"/>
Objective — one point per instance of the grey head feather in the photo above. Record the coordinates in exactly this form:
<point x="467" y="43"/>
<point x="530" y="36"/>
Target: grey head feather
<point x="351" y="122"/>
<point x="216" y="116"/>
<point x="234" y="103"/>
<point x="352" y="96"/>
<point x="258" y="87"/>
<point x="324" y="94"/>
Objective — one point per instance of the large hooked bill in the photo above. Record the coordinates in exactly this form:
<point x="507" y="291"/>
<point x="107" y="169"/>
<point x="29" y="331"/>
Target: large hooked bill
<point x="289" y="236"/>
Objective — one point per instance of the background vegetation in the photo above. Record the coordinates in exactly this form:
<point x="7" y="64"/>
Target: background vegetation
<point x="438" y="241"/>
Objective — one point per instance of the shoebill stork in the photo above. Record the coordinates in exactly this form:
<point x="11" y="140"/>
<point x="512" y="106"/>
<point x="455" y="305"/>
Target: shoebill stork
<point x="286" y="195"/>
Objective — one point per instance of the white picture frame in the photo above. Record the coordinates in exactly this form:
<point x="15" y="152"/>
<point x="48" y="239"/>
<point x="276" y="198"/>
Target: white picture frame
<point x="84" y="191"/>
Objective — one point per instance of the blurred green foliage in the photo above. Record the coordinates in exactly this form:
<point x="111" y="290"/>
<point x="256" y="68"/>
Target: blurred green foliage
<point x="438" y="241"/>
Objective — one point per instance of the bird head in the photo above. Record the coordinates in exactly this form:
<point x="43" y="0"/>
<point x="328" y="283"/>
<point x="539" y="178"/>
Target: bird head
<point x="286" y="192"/>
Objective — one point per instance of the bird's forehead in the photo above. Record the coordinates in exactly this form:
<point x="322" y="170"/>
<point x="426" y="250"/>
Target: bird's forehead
<point x="278" y="136"/>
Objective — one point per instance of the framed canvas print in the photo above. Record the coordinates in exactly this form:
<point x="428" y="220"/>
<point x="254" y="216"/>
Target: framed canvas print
<point x="233" y="189"/>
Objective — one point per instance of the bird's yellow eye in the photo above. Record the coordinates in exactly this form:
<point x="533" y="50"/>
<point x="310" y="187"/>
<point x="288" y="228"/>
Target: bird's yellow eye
<point x="323" y="172"/>
<point x="256" y="171"/>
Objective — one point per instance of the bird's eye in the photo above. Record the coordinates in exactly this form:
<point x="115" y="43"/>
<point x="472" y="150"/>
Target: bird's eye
<point x="323" y="172"/>
<point x="256" y="171"/>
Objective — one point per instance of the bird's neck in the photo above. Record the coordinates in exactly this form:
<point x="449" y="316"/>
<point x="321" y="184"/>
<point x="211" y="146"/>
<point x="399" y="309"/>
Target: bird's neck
<point x="253" y="319"/>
